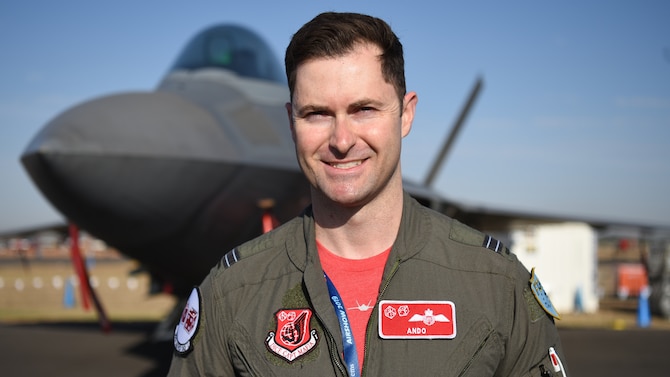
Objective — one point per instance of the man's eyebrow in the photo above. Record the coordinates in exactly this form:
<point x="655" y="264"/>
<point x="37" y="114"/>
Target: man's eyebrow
<point x="301" y="111"/>
<point x="365" y="102"/>
<point x="312" y="108"/>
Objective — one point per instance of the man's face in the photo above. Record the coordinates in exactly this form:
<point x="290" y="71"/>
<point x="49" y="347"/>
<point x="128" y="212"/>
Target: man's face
<point x="347" y="126"/>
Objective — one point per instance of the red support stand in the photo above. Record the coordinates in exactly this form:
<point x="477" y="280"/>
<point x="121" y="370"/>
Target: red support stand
<point x="84" y="282"/>
<point x="79" y="266"/>
<point x="268" y="219"/>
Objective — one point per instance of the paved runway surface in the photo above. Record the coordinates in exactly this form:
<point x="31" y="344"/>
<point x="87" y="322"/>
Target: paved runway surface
<point x="81" y="349"/>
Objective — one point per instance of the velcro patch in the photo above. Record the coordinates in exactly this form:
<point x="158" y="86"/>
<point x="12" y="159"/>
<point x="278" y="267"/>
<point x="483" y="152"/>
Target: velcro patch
<point x="417" y="319"/>
<point x="535" y="311"/>
<point x="188" y="324"/>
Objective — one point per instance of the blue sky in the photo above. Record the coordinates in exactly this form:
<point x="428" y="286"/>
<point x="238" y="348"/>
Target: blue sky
<point x="573" y="119"/>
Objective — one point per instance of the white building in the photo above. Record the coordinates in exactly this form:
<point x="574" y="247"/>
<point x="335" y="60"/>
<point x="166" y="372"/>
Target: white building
<point x="564" y="256"/>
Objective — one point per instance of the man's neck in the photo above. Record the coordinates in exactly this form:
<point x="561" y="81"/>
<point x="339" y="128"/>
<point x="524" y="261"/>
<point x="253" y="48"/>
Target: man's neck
<point x="359" y="232"/>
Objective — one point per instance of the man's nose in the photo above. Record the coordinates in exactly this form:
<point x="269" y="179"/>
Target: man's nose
<point x="343" y="137"/>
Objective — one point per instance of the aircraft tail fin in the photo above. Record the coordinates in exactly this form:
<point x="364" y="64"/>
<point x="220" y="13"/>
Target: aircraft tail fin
<point x="439" y="160"/>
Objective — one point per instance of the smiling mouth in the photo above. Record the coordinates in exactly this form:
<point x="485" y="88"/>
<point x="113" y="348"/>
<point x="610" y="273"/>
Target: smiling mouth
<point x="346" y="165"/>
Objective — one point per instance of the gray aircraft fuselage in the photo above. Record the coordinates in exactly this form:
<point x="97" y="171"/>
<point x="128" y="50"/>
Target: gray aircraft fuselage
<point x="173" y="177"/>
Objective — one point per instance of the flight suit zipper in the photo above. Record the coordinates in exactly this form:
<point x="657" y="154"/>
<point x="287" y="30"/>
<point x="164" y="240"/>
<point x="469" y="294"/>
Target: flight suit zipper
<point x="373" y="316"/>
<point x="332" y="348"/>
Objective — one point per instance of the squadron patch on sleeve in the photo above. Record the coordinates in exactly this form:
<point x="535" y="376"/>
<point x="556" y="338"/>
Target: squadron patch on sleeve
<point x="188" y="324"/>
<point x="541" y="295"/>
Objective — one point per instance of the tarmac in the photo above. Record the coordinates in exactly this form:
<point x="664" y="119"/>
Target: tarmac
<point x="594" y="345"/>
<point x="42" y="333"/>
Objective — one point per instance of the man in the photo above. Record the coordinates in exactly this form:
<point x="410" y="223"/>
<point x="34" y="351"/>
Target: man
<point x="366" y="281"/>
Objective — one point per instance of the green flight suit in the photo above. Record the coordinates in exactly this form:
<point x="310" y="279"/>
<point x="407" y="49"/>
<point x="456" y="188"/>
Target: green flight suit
<point x="249" y="299"/>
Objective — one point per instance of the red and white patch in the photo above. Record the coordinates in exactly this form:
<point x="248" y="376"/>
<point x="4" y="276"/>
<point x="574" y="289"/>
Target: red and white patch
<point x="555" y="360"/>
<point x="188" y="324"/>
<point x="293" y="337"/>
<point x="417" y="319"/>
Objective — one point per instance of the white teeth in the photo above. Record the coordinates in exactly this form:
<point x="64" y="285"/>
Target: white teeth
<point x="346" y="165"/>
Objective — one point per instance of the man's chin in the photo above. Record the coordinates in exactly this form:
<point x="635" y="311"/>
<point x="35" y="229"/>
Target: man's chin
<point x="345" y="199"/>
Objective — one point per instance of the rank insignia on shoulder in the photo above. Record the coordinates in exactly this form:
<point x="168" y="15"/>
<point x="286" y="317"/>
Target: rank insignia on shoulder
<point x="494" y="245"/>
<point x="541" y="295"/>
<point x="188" y="324"/>
<point x="230" y="258"/>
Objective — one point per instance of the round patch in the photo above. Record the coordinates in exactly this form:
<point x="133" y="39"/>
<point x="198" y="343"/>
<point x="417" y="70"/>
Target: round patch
<point x="188" y="324"/>
<point x="541" y="295"/>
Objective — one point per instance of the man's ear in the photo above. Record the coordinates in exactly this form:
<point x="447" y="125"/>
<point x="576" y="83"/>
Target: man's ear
<point x="408" y="109"/>
<point x="289" y="112"/>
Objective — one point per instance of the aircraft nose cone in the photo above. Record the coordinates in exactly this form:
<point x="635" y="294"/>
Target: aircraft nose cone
<point x="97" y="162"/>
<point x="134" y="124"/>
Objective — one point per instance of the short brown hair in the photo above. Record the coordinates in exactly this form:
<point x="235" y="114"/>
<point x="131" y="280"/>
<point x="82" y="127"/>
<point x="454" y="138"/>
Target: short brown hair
<point x="333" y="34"/>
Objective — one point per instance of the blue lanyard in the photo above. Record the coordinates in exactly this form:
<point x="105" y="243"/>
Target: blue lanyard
<point x="350" y="355"/>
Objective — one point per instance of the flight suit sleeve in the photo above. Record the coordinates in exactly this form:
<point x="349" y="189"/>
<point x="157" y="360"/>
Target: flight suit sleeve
<point x="534" y="347"/>
<point x="204" y="353"/>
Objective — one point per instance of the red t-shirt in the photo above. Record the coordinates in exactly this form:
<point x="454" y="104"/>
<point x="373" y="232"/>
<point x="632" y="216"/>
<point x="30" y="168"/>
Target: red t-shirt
<point x="357" y="281"/>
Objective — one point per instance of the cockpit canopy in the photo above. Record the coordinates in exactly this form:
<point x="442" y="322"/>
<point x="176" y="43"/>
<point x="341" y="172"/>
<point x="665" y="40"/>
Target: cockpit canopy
<point x="231" y="47"/>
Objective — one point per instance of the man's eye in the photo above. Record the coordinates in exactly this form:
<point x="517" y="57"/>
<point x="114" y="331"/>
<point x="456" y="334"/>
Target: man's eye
<point x="365" y="112"/>
<point x="315" y="114"/>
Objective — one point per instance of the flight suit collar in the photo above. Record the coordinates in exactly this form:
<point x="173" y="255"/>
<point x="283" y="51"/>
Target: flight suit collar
<point x="415" y="228"/>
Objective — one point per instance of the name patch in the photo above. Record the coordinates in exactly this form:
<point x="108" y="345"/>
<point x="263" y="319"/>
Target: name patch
<point x="417" y="319"/>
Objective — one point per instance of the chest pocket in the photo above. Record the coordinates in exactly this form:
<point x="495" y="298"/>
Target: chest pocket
<point x="476" y="351"/>
<point x="247" y="361"/>
<point x="479" y="351"/>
